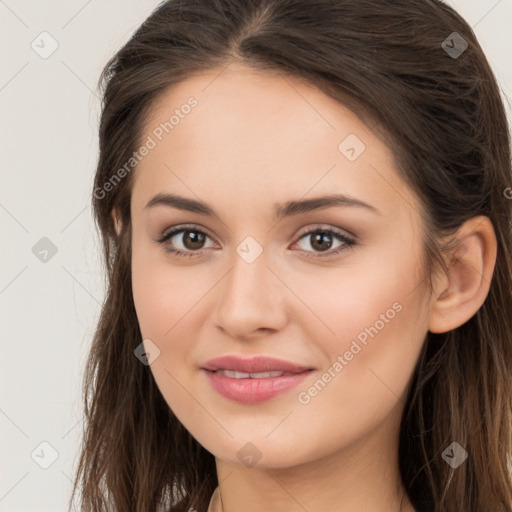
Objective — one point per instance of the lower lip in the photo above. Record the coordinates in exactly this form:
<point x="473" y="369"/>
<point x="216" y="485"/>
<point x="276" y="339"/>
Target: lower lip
<point x="252" y="391"/>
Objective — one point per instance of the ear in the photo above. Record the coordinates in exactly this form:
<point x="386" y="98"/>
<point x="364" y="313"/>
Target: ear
<point x="462" y="289"/>
<point x="116" y="219"/>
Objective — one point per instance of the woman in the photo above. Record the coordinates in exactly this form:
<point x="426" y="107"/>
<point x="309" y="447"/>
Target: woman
<point x="306" y="228"/>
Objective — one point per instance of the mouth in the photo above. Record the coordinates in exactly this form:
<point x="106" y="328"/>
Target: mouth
<point x="250" y="381"/>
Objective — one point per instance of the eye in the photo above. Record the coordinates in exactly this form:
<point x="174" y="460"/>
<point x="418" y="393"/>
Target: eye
<point x="191" y="239"/>
<point x="321" y="240"/>
<point x="192" y="242"/>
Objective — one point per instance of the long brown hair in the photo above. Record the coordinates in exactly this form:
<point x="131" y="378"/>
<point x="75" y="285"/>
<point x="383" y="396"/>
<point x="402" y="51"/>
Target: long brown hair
<point x="442" y="116"/>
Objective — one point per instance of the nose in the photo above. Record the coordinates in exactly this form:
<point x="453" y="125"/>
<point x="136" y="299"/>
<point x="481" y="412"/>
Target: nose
<point x="251" y="299"/>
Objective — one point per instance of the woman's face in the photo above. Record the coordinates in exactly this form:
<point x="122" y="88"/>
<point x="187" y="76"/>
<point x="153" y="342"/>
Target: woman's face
<point x="336" y="289"/>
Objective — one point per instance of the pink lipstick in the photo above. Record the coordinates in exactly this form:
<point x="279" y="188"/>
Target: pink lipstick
<point x="253" y="380"/>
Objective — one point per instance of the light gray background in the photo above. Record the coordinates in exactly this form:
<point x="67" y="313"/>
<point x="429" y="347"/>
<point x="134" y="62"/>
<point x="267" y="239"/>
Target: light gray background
<point x="49" y="112"/>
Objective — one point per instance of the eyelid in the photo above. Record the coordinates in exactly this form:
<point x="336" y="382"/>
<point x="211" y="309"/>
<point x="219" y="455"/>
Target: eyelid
<point x="320" y="226"/>
<point x="307" y="229"/>
<point x="168" y="232"/>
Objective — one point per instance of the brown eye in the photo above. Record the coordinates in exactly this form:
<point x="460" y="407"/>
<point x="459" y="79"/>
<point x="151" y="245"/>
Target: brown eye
<point x="184" y="241"/>
<point x="321" y="240"/>
<point x="193" y="240"/>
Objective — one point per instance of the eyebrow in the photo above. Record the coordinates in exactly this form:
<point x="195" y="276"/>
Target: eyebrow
<point x="287" y="209"/>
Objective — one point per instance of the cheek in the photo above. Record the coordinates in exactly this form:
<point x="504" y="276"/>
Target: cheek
<point x="369" y="364"/>
<point x="370" y="324"/>
<point x="164" y="299"/>
<point x="162" y="294"/>
<point x="360" y="301"/>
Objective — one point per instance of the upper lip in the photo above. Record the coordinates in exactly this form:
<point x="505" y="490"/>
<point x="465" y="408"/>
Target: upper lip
<point x="253" y="365"/>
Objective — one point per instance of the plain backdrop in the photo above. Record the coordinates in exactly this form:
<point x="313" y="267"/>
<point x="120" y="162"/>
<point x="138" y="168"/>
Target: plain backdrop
<point x="51" y="282"/>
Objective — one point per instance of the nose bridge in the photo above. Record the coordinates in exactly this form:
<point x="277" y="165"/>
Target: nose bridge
<point x="248" y="277"/>
<point x="249" y="296"/>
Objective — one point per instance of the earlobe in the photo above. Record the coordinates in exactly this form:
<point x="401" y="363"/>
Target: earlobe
<point x="467" y="280"/>
<point x="116" y="219"/>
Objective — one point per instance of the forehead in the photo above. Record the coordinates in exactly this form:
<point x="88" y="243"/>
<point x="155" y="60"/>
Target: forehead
<point x="267" y="136"/>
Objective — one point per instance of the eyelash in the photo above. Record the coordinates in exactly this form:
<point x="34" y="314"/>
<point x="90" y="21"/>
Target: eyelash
<point x="348" y="243"/>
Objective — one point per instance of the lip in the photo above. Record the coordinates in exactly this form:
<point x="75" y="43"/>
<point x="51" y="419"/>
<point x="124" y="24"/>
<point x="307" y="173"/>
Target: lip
<point x="251" y="391"/>
<point x="253" y="364"/>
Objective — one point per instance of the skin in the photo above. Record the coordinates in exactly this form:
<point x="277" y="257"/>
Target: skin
<point x="256" y="139"/>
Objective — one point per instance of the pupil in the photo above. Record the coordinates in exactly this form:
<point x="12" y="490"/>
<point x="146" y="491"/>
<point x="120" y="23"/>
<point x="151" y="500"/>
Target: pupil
<point x="197" y="239"/>
<point x="318" y="240"/>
